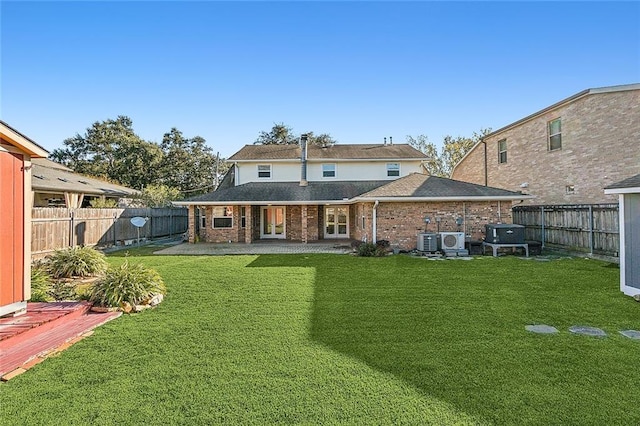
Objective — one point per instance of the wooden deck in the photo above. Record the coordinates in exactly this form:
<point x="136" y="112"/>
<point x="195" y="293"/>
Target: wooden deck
<point x="45" y="328"/>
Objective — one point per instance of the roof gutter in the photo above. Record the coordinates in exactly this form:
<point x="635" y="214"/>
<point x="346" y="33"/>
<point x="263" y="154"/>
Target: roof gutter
<point x="265" y="203"/>
<point x="454" y="198"/>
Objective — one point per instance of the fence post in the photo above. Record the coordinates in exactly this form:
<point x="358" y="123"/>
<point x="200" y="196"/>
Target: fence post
<point x="71" y="226"/>
<point x="115" y="228"/>
<point x="150" y="229"/>
<point x="590" y="229"/>
<point x="542" y="227"/>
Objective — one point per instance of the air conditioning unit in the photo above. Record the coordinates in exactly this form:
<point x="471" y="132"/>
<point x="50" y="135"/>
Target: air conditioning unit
<point x="452" y="241"/>
<point x="427" y="242"/>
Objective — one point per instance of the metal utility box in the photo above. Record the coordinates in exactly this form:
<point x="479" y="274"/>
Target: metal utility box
<point x="499" y="233"/>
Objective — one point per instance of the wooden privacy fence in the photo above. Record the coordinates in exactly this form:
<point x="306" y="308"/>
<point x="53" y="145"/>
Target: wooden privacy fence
<point x="55" y="228"/>
<point x="590" y="228"/>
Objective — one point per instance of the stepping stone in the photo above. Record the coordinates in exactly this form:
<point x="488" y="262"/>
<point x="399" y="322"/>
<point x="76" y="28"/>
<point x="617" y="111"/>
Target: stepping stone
<point x="587" y="331"/>
<point x="541" y="328"/>
<point x="631" y="334"/>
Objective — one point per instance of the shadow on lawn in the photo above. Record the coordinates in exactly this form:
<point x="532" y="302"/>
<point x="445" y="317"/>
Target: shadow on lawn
<point x="452" y="339"/>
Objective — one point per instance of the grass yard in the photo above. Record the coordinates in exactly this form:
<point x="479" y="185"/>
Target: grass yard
<point x="331" y="339"/>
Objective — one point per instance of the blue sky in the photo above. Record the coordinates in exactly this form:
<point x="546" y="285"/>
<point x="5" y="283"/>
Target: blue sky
<point x="357" y="70"/>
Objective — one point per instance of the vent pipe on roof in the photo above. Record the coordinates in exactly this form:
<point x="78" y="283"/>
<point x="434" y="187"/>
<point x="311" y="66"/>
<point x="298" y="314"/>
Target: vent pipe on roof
<point x="303" y="159"/>
<point x="390" y="140"/>
<point x="385" y="140"/>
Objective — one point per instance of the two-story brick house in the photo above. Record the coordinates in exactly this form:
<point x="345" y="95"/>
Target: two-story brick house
<point x="363" y="192"/>
<point x="566" y="153"/>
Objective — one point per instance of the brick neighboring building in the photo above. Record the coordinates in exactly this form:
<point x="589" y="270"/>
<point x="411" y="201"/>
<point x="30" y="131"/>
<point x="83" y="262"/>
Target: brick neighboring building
<point x="348" y="192"/>
<point x="566" y="153"/>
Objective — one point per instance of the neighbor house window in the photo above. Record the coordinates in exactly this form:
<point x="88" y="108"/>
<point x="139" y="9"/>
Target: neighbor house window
<point x="264" y="171"/>
<point x="203" y="218"/>
<point x="502" y="151"/>
<point x="393" y="169"/>
<point x="555" y="135"/>
<point x="243" y="217"/>
<point x="328" y="170"/>
<point x="222" y="217"/>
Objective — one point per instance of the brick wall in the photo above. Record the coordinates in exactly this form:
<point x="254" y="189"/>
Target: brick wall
<point x="400" y="223"/>
<point x="600" y="146"/>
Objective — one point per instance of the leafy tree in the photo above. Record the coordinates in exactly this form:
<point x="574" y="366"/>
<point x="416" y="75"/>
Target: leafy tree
<point x="453" y="149"/>
<point x="188" y="164"/>
<point x="158" y="196"/>
<point x="323" y="139"/>
<point x="281" y="134"/>
<point x="111" y="150"/>
<point x="103" y="203"/>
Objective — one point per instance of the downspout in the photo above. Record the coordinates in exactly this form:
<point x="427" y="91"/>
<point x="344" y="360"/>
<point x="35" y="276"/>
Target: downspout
<point x="303" y="160"/>
<point x="486" y="173"/>
<point x="374" y="232"/>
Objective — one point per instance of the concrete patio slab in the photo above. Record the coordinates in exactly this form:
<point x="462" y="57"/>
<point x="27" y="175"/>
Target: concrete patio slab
<point x="221" y="249"/>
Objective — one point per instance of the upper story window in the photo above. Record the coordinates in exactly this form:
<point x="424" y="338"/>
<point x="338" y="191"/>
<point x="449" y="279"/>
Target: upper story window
<point x="328" y="170"/>
<point x="222" y="217"/>
<point x="393" y="169"/>
<point x="555" y="134"/>
<point x="264" y="171"/>
<point x="502" y="151"/>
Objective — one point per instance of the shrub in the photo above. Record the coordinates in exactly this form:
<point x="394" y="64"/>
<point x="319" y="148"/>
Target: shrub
<point x="134" y="284"/>
<point x="103" y="203"/>
<point x="76" y="262"/>
<point x="41" y="285"/>
<point x="373" y="250"/>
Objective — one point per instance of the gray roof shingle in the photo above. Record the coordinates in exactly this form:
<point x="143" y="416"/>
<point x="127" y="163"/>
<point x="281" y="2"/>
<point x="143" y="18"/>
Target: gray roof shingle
<point x="418" y="185"/>
<point x="49" y="176"/>
<point x="415" y="185"/>
<point x="334" y="152"/>
<point x="288" y="192"/>
<point x="632" y="182"/>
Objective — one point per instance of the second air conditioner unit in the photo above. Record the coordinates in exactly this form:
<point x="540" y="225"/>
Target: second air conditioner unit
<point x="452" y="240"/>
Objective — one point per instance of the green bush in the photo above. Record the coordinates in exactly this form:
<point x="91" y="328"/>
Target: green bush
<point x="134" y="284"/>
<point x="41" y="285"/>
<point x="373" y="250"/>
<point x="76" y="262"/>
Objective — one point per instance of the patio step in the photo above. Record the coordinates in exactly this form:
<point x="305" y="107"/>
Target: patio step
<point x="44" y="329"/>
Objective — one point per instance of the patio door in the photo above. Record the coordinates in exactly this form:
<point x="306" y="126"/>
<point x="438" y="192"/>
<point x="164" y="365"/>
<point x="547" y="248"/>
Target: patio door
<point x="336" y="222"/>
<point x="272" y="222"/>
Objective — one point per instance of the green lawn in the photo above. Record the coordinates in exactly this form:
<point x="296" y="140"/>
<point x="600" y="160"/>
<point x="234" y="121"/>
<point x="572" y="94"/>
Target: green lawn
<point x="331" y="339"/>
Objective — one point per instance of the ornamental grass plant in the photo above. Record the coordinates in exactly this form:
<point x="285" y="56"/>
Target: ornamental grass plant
<point x="128" y="283"/>
<point x="76" y="262"/>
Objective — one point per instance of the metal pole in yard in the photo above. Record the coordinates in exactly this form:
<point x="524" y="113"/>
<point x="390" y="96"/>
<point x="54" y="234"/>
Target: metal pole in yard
<point x="590" y="229"/>
<point x="542" y="226"/>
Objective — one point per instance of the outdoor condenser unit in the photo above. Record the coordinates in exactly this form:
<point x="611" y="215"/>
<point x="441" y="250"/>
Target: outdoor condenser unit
<point x="502" y="233"/>
<point x="427" y="242"/>
<point x="452" y="241"/>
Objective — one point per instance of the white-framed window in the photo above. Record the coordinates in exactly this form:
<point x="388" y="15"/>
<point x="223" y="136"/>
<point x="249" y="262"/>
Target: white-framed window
<point x="555" y="134"/>
<point x="502" y="151"/>
<point x="222" y="217"/>
<point x="329" y="170"/>
<point x="393" y="169"/>
<point x="243" y="217"/>
<point x="264" y="171"/>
